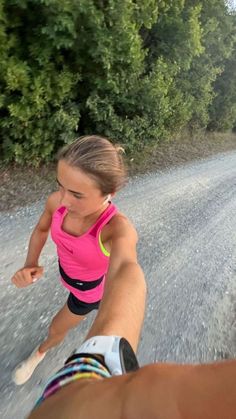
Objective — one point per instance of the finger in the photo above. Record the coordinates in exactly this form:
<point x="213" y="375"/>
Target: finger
<point x="17" y="283"/>
<point x="16" y="280"/>
<point x="23" y="279"/>
<point x="35" y="273"/>
<point x="37" y="270"/>
<point x="27" y="275"/>
<point x="13" y="279"/>
<point x="19" y="276"/>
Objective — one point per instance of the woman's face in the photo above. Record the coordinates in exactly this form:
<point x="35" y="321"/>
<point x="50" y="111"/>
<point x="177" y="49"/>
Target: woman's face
<point x="80" y="194"/>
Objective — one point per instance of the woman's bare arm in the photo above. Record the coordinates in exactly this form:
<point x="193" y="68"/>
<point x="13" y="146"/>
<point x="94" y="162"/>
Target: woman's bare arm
<point x="40" y="233"/>
<point x="158" y="391"/>
<point x="122" y="308"/>
<point x="31" y="269"/>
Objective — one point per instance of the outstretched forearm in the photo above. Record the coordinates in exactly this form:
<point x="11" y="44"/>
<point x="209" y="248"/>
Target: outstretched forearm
<point x="122" y="308"/>
<point x="172" y="391"/>
<point x="209" y="392"/>
<point x="158" y="391"/>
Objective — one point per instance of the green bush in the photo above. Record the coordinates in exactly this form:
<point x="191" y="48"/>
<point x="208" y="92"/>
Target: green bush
<point x="132" y="70"/>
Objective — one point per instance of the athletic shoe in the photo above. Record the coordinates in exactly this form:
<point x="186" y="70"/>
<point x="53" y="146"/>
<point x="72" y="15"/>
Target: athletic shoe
<point x="26" y="368"/>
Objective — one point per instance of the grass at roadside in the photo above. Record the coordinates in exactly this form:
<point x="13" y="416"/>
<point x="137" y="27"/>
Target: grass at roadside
<point x="184" y="148"/>
<point x="22" y="186"/>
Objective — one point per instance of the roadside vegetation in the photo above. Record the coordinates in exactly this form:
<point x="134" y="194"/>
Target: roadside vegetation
<point x="137" y="72"/>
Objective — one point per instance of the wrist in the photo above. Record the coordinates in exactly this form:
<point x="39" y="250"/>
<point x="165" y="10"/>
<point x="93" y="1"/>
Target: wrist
<point x="31" y="264"/>
<point x="116" y="351"/>
<point x="81" y="367"/>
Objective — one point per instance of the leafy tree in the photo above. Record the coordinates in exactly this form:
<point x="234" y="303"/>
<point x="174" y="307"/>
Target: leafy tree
<point x="222" y="111"/>
<point x="37" y="85"/>
<point x="132" y="70"/>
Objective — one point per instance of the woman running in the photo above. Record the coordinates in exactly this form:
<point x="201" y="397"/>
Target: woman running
<point x="94" y="240"/>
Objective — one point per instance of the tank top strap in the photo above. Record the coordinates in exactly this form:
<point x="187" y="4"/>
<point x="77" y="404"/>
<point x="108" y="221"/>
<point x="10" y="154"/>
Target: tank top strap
<point x="103" y="220"/>
<point x="61" y="210"/>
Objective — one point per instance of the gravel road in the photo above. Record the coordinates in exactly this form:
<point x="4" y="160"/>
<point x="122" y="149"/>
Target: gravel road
<point x="186" y="221"/>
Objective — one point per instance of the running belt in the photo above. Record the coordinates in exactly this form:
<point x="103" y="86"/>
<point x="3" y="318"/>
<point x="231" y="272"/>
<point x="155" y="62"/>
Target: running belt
<point x="78" y="283"/>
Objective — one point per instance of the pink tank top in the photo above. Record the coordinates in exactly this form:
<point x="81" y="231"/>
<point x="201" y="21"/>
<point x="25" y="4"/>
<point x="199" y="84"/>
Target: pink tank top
<point x="82" y="257"/>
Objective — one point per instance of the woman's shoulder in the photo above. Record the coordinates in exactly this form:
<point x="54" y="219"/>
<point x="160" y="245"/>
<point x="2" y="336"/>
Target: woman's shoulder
<point x="53" y="202"/>
<point x="120" y="225"/>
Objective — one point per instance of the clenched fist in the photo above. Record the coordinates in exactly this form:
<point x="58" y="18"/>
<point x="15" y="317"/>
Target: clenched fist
<point x="26" y="276"/>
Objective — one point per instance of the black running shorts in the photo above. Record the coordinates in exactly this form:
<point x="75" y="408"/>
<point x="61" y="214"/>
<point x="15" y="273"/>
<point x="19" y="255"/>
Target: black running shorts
<point x="79" y="307"/>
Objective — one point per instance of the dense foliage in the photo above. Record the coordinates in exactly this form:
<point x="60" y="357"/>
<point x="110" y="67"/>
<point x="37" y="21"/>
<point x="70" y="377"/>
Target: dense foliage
<point x="136" y="71"/>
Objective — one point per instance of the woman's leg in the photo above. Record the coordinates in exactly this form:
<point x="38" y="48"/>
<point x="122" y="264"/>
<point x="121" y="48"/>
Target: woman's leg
<point x="59" y="327"/>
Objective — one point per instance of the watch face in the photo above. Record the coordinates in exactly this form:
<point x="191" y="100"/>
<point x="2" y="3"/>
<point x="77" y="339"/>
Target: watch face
<point x="128" y="358"/>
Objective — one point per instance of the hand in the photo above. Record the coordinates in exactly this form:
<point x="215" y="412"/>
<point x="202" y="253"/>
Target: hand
<point x="26" y="276"/>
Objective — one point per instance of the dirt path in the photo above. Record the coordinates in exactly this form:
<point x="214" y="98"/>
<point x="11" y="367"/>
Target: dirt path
<point x="22" y="186"/>
<point x="186" y="221"/>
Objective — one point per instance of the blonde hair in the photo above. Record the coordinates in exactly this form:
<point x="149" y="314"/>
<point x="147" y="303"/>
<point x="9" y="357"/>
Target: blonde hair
<point x="100" y="159"/>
